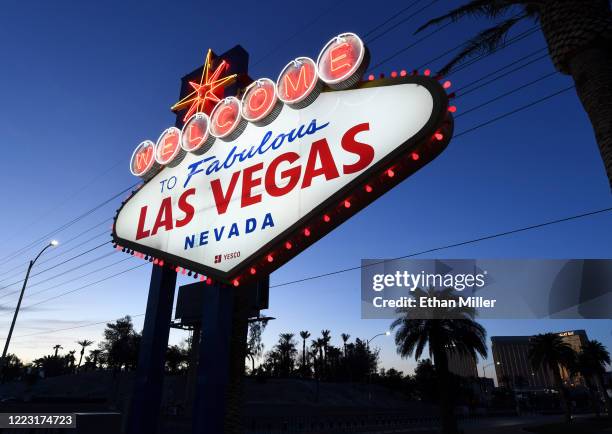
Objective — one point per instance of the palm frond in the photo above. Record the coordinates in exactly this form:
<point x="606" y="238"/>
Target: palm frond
<point x="486" y="41"/>
<point x="487" y="8"/>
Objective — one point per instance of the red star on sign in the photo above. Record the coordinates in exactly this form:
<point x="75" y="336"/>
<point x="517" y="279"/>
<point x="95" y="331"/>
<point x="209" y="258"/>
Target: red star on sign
<point x="208" y="91"/>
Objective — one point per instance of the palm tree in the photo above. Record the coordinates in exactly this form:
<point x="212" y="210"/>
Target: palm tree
<point x="345" y="337"/>
<point x="287" y="351"/>
<point x="326" y="338"/>
<point x="304" y="334"/>
<point x="579" y="40"/>
<point x="592" y="361"/>
<point x="71" y="359"/>
<point x="84" y="344"/>
<point x="445" y="332"/>
<point x="57" y="348"/>
<point x="95" y="356"/>
<point x="551" y="351"/>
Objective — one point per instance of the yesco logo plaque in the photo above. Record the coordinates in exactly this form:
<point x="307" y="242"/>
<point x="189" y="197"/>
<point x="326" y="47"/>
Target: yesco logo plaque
<point x="250" y="182"/>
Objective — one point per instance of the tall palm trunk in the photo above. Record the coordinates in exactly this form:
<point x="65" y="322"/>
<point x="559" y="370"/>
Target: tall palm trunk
<point x="601" y="386"/>
<point x="592" y="73"/>
<point x="579" y="37"/>
<point x="81" y="358"/>
<point x="447" y="411"/>
<point x="563" y="398"/>
<point x="304" y="357"/>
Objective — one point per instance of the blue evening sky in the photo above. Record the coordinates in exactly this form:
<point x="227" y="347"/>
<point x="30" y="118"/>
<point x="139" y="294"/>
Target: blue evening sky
<point x="82" y="83"/>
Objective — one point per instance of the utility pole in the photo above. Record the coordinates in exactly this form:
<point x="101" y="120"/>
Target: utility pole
<point x="53" y="243"/>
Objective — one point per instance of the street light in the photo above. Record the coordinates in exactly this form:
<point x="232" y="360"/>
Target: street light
<point x="52" y="243"/>
<point x="387" y="333"/>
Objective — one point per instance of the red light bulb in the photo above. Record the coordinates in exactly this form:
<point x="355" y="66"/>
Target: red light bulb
<point x="236" y="283"/>
<point x="368" y="188"/>
<point x="288" y="246"/>
<point x="403" y="73"/>
<point x="347" y="204"/>
<point x="253" y="270"/>
<point x="326" y="218"/>
<point x="371" y="77"/>
<point x="439" y="136"/>
<point x="452" y="108"/>
<point x="427" y="72"/>
<point x="390" y="173"/>
<point x="394" y="74"/>
<point x="307" y="232"/>
<point x="414" y="156"/>
<point x="209" y="281"/>
<point x="202" y="278"/>
<point x="447" y="84"/>
<point x="270" y="258"/>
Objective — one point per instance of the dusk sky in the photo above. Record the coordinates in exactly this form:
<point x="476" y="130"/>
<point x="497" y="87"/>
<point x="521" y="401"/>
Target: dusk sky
<point x="82" y="83"/>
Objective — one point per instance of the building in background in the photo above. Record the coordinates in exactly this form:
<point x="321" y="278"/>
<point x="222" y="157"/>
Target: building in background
<point x="462" y="365"/>
<point x="514" y="370"/>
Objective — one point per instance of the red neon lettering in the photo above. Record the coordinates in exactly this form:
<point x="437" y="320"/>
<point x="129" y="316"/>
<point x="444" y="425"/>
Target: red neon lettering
<point x="319" y="150"/>
<point x="170" y="142"/>
<point x="292" y="173"/>
<point x="195" y="134"/>
<point x="186" y="207"/>
<point x="340" y="59"/>
<point x="305" y="76"/>
<point x="363" y="150"/>
<point x="222" y="200"/>
<point x="259" y="96"/>
<point x="143" y="158"/>
<point x="248" y="182"/>
<point x="164" y="216"/>
<point x="226" y="114"/>
<point x="140" y="232"/>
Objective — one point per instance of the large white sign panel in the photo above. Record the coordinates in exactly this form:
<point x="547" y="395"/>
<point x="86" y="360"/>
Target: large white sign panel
<point x="228" y="211"/>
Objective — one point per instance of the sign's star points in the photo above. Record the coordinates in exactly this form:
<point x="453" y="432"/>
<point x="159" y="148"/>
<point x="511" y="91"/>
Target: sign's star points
<point x="208" y="91"/>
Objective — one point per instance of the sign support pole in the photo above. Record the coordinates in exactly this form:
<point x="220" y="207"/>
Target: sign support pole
<point x="219" y="392"/>
<point x="143" y="416"/>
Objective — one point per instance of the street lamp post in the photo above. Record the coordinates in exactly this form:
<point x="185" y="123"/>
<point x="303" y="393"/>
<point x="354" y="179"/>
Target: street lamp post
<point x="387" y="333"/>
<point x="53" y="243"/>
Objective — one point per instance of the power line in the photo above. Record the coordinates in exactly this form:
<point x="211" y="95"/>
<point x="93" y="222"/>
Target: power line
<point x="506" y="44"/>
<point x="401" y="11"/>
<point x="57" y="256"/>
<point x="448" y="246"/>
<point x="106" y="267"/>
<point x="505" y="94"/>
<point x="459" y="90"/>
<point x="71" y="196"/>
<point x="86" y="286"/>
<point x="516" y="110"/>
<point x="415" y="43"/>
<point x="530" y="31"/>
<point x="72" y="328"/>
<point x="61" y="263"/>
<point x="294" y="35"/>
<point x="399" y="23"/>
<point x="345" y="270"/>
<point x="66" y="225"/>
